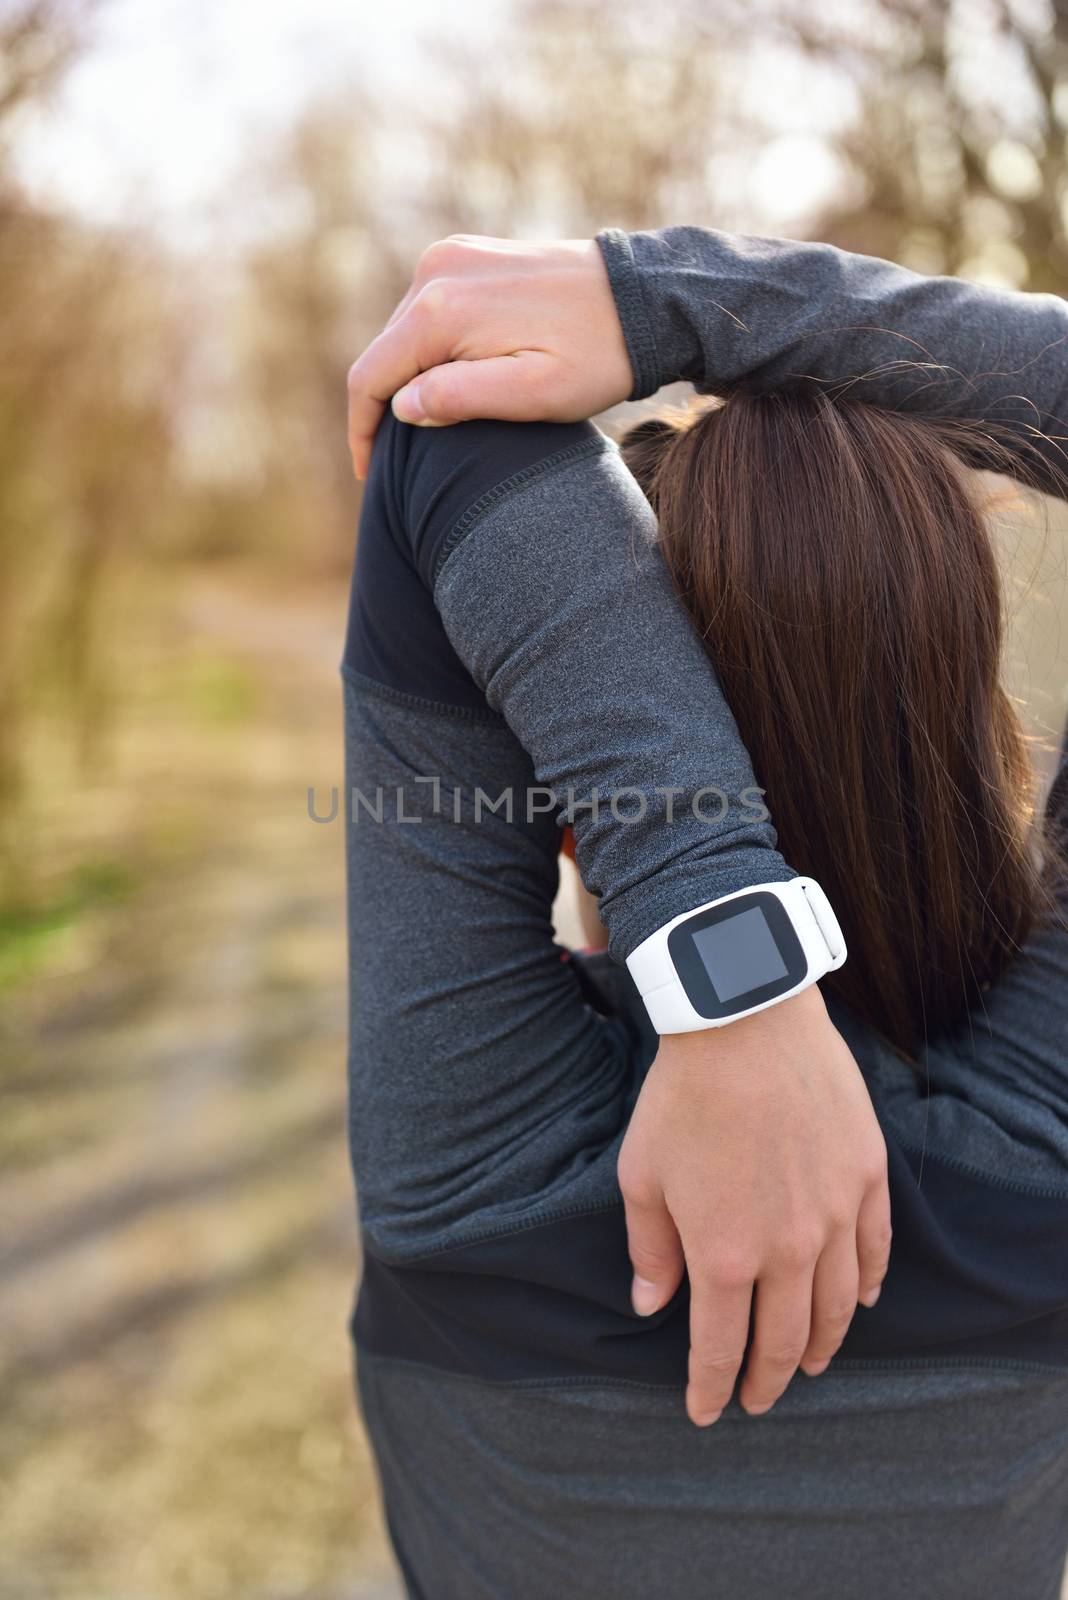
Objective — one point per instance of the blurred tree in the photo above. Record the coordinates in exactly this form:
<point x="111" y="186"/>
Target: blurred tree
<point x="590" y="114"/>
<point x="84" y="437"/>
<point x="319" y="286"/>
<point x="151" y="410"/>
<point x="39" y="39"/>
<point x="584" y="113"/>
<point x="953" y="155"/>
<point x="958" y="142"/>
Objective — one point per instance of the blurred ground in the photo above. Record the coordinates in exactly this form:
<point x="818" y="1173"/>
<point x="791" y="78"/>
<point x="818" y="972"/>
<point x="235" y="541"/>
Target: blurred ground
<point x="177" y="1244"/>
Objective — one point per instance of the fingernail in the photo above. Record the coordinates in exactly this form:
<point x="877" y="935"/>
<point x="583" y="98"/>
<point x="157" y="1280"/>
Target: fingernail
<point x="408" y="404"/>
<point x="757" y="1411"/>
<point x="814" y="1368"/>
<point x="870" y="1298"/>
<point x="645" y="1297"/>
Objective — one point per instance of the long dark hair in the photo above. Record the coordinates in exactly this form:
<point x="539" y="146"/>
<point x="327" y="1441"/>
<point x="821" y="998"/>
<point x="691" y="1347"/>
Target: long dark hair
<point x="842" y="576"/>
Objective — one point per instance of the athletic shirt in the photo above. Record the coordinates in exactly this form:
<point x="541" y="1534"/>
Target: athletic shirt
<point x="513" y="634"/>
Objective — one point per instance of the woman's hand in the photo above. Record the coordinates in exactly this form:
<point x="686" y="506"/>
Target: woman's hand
<point x="494" y="328"/>
<point x="754" y="1159"/>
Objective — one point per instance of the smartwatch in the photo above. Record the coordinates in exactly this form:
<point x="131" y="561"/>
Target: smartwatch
<point x="737" y="955"/>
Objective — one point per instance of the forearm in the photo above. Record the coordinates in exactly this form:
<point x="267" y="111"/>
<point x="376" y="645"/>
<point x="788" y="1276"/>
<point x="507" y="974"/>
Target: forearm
<point x="726" y="311"/>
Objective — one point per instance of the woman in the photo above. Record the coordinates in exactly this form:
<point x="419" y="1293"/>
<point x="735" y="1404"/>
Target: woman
<point x="527" y="1426"/>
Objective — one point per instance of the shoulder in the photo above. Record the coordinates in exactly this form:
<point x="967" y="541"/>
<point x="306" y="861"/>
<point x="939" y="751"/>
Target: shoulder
<point x="437" y="479"/>
<point x="425" y="488"/>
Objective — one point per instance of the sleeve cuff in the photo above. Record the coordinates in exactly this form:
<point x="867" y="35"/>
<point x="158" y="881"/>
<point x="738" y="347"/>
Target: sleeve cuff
<point x="625" y="282"/>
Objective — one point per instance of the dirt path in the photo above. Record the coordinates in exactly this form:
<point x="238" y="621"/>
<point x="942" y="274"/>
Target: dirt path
<point x="177" y="1245"/>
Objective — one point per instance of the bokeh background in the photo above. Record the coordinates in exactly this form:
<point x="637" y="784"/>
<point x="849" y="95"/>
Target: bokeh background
<point x="206" y="210"/>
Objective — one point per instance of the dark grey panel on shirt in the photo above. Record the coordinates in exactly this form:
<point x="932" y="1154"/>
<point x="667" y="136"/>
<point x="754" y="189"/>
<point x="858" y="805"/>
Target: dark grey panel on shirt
<point x="422" y="490"/>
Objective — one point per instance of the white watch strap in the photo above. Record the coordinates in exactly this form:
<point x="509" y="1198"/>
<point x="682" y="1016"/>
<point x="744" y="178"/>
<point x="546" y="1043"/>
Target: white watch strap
<point x="666" y="1001"/>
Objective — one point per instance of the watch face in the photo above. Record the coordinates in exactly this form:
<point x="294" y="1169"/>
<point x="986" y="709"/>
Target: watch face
<point x="738" y="955"/>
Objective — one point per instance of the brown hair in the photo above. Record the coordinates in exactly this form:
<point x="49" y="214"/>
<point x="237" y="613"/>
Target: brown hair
<point x="836" y="562"/>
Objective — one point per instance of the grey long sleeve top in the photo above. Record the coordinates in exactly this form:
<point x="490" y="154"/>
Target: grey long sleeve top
<point x="512" y="630"/>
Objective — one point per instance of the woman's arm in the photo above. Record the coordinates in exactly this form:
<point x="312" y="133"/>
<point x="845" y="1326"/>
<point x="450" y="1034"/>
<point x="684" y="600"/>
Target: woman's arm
<point x="757" y="1145"/>
<point x="505" y="329"/>
<point x="726" y="311"/>
<point x="540" y="552"/>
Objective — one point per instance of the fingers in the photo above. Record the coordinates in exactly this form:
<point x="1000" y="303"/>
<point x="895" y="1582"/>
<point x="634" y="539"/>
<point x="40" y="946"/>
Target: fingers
<point x="851" y="1267"/>
<point x="509" y="387"/>
<point x="781" y="1328"/>
<point x="461" y="255"/>
<point x="873" y="1240"/>
<point x="403" y="303"/>
<point x="834" y="1300"/>
<point x="654" y="1249"/>
<point x="389" y="362"/>
<point x="363" y="425"/>
<point x="413" y="358"/>
<point x="719" y="1327"/>
<point x="394" y="357"/>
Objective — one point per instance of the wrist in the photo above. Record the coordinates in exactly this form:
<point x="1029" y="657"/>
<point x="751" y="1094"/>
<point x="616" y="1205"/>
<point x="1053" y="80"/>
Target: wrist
<point x="762" y="1031"/>
<point x="737" y="956"/>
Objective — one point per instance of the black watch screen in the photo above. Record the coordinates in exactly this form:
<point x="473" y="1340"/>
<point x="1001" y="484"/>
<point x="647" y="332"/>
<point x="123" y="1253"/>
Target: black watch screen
<point x="737" y="955"/>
